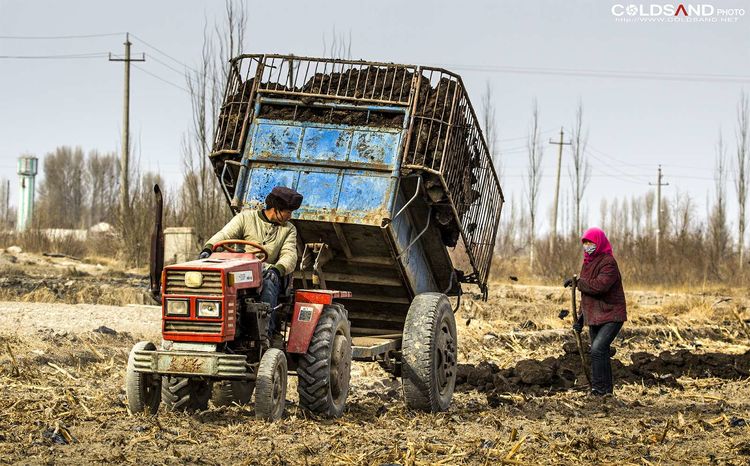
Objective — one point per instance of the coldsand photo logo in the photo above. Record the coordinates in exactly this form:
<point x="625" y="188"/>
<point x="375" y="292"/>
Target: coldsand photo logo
<point x="675" y="13"/>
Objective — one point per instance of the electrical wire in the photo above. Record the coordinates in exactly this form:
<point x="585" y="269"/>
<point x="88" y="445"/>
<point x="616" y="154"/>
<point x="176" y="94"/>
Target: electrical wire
<point x="621" y="162"/>
<point x="161" y="79"/>
<point x="632" y="176"/>
<point x="77" y="36"/>
<point x="167" y="65"/>
<point x="162" y="52"/>
<point x="647" y="75"/>
<point x="69" y="56"/>
<point x="522" y="137"/>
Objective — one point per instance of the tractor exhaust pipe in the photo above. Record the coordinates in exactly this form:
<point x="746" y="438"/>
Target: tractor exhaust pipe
<point x="156" y="264"/>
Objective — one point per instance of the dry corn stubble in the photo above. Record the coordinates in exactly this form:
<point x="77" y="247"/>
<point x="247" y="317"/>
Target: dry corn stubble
<point x="62" y="399"/>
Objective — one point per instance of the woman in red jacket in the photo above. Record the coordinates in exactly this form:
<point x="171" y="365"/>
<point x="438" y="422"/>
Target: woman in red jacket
<point x="602" y="305"/>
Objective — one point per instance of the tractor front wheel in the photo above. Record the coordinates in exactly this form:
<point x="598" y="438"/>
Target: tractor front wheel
<point x="142" y="389"/>
<point x="429" y="353"/>
<point x="185" y="394"/>
<point x="270" y="385"/>
<point x="325" y="370"/>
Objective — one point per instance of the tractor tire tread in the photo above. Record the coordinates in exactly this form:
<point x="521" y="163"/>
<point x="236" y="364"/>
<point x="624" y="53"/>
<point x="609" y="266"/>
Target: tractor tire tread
<point x="313" y="370"/>
<point x="185" y="394"/>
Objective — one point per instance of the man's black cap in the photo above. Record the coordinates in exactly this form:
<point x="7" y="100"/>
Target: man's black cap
<point x="284" y="198"/>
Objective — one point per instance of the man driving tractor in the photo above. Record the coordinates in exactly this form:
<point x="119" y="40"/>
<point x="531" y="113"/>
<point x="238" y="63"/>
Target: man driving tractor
<point x="270" y="228"/>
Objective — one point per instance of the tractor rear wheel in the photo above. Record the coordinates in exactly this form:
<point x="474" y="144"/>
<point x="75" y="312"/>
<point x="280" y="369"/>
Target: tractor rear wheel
<point x="270" y="385"/>
<point x="142" y="389"/>
<point x="185" y="394"/>
<point x="226" y="392"/>
<point x="429" y="353"/>
<point x="325" y="370"/>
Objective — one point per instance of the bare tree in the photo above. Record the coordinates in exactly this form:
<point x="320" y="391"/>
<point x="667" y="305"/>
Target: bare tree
<point x="103" y="179"/>
<point x="4" y="203"/>
<point x="718" y="232"/>
<point x="63" y="191"/>
<point x="533" y="176"/>
<point x="742" y="173"/>
<point x="581" y="172"/>
<point x="489" y="127"/>
<point x="203" y="202"/>
<point x="648" y="201"/>
<point x="340" y="47"/>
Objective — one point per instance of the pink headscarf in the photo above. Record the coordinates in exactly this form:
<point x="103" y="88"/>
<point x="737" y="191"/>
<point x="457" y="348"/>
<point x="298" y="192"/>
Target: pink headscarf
<point x="596" y="236"/>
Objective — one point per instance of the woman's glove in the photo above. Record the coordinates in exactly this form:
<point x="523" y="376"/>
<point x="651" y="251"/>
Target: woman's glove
<point x="578" y="325"/>
<point x="568" y="282"/>
<point x="204" y="254"/>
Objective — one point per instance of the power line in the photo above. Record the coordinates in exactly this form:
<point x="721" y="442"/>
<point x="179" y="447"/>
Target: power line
<point x="162" y="52"/>
<point x="522" y="137"/>
<point x="167" y="65"/>
<point x="631" y="177"/>
<point x="78" y="36"/>
<point x="161" y="79"/>
<point x="615" y="159"/>
<point x="69" y="56"/>
<point x="647" y="75"/>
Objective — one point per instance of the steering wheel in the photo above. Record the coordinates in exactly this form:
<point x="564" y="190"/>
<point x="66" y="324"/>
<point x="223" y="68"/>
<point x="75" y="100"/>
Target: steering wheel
<point x="258" y="249"/>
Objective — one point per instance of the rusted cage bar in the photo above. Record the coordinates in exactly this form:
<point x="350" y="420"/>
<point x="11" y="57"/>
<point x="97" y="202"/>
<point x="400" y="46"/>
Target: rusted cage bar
<point x="444" y="141"/>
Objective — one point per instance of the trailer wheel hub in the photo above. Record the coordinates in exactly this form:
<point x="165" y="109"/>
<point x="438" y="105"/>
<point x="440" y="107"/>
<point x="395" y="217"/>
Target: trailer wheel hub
<point x="446" y="356"/>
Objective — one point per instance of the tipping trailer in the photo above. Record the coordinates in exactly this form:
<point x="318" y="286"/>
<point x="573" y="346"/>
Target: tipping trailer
<point x="401" y="200"/>
<point x="401" y="197"/>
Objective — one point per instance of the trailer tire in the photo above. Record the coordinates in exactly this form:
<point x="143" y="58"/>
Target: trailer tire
<point x="429" y="353"/>
<point x="185" y="394"/>
<point x="270" y="391"/>
<point x="325" y="370"/>
<point x="226" y="392"/>
<point x="142" y="389"/>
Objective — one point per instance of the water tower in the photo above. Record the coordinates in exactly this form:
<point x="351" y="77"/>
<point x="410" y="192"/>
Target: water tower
<point x="27" y="169"/>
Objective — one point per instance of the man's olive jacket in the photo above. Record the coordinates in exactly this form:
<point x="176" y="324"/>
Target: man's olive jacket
<point x="252" y="225"/>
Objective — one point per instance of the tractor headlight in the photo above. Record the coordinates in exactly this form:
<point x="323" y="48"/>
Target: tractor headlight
<point x="209" y="309"/>
<point x="177" y="307"/>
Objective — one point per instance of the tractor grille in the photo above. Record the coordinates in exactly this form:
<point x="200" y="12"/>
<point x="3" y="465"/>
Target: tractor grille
<point x="211" y="283"/>
<point x="191" y="326"/>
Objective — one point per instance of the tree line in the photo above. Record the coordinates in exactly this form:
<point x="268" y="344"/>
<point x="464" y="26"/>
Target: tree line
<point x="693" y="248"/>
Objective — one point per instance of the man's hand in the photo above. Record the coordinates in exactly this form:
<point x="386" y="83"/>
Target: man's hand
<point x="578" y="325"/>
<point x="272" y="270"/>
<point x="204" y="254"/>
<point x="569" y="282"/>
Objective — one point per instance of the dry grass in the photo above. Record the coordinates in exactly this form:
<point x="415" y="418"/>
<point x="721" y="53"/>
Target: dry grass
<point x="63" y="401"/>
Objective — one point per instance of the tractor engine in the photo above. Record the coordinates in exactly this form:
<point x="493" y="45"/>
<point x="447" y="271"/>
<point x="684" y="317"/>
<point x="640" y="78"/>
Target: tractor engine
<point x="215" y="300"/>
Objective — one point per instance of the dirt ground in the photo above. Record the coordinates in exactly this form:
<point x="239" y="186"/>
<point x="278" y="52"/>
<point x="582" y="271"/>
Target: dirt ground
<point x="682" y="373"/>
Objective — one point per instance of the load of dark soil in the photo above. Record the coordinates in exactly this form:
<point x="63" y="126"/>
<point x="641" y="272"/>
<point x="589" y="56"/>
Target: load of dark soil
<point x="564" y="372"/>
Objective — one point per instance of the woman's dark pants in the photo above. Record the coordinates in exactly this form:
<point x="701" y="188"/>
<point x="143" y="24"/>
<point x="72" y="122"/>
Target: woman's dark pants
<point x="602" y="337"/>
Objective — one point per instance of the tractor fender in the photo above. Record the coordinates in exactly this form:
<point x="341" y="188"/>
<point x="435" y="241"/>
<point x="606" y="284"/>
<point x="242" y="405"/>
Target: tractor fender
<point x="304" y="321"/>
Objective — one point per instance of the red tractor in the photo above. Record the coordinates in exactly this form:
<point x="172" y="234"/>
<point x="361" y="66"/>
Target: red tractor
<point x="216" y="343"/>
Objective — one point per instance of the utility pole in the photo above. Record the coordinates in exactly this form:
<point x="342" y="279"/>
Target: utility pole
<point x="560" y="144"/>
<point x="124" y="204"/>
<point x="659" y="184"/>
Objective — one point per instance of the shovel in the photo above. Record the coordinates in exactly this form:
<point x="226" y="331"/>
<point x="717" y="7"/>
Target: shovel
<point x="579" y="343"/>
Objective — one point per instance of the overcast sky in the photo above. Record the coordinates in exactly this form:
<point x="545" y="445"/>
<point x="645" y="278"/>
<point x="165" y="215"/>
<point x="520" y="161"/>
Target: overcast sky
<point x="645" y="86"/>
